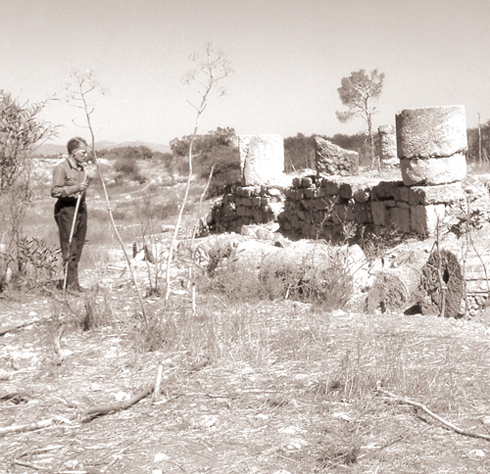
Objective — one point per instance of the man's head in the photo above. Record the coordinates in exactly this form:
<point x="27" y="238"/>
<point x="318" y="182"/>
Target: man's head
<point x="77" y="147"/>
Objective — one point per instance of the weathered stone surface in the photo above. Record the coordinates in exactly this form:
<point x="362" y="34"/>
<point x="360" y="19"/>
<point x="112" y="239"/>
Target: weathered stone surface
<point x="399" y="219"/>
<point x="332" y="159"/>
<point x="431" y="132"/>
<point x="387" y="138"/>
<point x="379" y="213"/>
<point x="385" y="190"/>
<point x="441" y="194"/>
<point x="331" y="187"/>
<point x="362" y="196"/>
<point x="363" y="214"/>
<point x="424" y="219"/>
<point x="433" y="171"/>
<point x="261" y="159"/>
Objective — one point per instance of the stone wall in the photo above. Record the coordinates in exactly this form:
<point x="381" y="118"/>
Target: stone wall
<point x="321" y="207"/>
<point x="431" y="145"/>
<point x="247" y="205"/>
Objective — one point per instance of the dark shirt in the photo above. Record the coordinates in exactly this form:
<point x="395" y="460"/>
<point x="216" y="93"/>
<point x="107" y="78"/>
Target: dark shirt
<point x="66" y="181"/>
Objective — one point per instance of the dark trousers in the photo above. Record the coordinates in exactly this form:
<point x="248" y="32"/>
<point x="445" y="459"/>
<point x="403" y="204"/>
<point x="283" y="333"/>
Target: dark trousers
<point x="64" y="213"/>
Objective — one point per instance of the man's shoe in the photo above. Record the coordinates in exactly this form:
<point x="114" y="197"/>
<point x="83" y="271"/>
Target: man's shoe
<point x="73" y="292"/>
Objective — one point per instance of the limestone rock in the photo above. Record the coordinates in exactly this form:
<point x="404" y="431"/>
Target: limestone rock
<point x="441" y="194"/>
<point x="387" y="138"/>
<point x="388" y="293"/>
<point x="433" y="171"/>
<point x="385" y="190"/>
<point x="424" y="219"/>
<point x="431" y="132"/>
<point x="261" y="159"/>
<point x="332" y="159"/>
<point x="446" y="263"/>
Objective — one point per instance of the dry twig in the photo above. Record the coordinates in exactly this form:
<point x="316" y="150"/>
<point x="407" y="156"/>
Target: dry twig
<point x="422" y="407"/>
<point x="7" y="329"/>
<point x="85" y="416"/>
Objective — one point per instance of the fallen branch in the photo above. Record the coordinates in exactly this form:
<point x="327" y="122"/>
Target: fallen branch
<point x="85" y="416"/>
<point x="422" y="407"/>
<point x="14" y="397"/>
<point x="104" y="409"/>
<point x="28" y="427"/>
<point x="32" y="466"/>
<point x="7" y="329"/>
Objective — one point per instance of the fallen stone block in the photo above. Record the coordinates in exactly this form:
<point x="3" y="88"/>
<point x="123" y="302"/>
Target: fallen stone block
<point x="332" y="159"/>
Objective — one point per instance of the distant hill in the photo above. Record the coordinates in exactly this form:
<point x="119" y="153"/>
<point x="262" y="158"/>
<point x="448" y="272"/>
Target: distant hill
<point x="55" y="149"/>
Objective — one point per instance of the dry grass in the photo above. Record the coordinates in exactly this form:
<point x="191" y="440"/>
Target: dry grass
<point x="250" y="385"/>
<point x="247" y="388"/>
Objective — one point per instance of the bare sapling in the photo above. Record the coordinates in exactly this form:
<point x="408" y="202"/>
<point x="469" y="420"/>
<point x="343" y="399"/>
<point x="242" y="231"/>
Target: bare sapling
<point x="210" y="69"/>
<point x="84" y="91"/>
<point x="442" y="284"/>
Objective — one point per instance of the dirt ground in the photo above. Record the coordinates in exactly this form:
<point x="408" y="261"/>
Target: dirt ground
<point x="288" y="411"/>
<point x="270" y="387"/>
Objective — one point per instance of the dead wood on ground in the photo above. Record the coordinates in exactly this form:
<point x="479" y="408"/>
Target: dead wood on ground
<point x="422" y="407"/>
<point x="83" y="417"/>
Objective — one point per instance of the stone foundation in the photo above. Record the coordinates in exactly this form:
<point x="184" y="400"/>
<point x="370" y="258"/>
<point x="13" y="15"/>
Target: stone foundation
<point x="316" y="208"/>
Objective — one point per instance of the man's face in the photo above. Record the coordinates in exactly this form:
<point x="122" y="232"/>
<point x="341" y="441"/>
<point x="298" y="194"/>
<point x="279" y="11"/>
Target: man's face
<point x="80" y="153"/>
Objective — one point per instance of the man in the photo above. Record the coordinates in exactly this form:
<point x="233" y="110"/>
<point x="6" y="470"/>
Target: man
<point x="69" y="185"/>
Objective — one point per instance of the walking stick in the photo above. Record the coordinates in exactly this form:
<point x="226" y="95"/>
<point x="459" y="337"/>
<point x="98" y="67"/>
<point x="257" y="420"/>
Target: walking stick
<point x="72" y="232"/>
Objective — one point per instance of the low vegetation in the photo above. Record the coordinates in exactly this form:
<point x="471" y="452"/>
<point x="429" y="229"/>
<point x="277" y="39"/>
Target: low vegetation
<point x="278" y="370"/>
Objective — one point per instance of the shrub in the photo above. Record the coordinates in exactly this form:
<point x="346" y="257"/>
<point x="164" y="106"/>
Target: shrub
<point x="226" y="161"/>
<point x="315" y="274"/>
<point x="33" y="263"/>
<point x="376" y="245"/>
<point x="127" y="167"/>
<point x="329" y="285"/>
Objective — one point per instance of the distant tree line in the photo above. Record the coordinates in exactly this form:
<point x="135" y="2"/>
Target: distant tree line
<point x="219" y="148"/>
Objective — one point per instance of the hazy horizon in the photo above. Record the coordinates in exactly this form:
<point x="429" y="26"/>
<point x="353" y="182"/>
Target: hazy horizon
<point x="288" y="59"/>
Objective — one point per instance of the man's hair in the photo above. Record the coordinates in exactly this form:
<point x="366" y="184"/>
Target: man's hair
<point x="74" y="143"/>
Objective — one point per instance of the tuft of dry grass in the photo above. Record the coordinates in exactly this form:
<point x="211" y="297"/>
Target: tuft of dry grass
<point x="251" y="383"/>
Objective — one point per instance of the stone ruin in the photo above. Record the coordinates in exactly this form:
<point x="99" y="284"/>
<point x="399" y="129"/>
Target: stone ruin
<point x="261" y="159"/>
<point x="334" y="160"/>
<point x="431" y="146"/>
<point x="387" y="138"/>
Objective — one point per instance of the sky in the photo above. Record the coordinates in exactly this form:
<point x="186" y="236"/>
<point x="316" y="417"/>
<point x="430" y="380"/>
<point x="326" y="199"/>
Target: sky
<point x="288" y="58"/>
